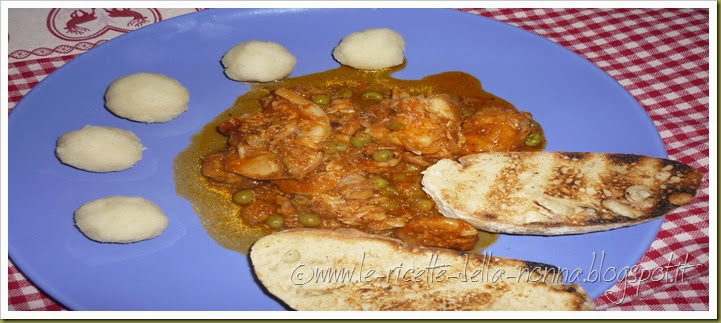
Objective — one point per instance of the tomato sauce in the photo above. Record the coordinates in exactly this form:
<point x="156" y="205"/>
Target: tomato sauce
<point x="484" y="121"/>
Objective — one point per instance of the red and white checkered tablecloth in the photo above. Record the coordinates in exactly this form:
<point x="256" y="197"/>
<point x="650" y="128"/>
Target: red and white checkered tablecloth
<point x="661" y="56"/>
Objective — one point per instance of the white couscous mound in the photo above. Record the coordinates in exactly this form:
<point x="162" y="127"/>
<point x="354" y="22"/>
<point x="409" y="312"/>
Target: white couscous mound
<point x="120" y="219"/>
<point x="371" y="49"/>
<point x="258" y="61"/>
<point x="147" y="97"/>
<point x="99" y="149"/>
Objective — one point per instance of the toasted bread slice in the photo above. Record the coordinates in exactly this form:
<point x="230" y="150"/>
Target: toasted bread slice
<point x="338" y="270"/>
<point x="554" y="193"/>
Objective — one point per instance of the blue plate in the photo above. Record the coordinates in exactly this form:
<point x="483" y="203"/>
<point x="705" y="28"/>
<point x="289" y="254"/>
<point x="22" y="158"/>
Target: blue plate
<point x="580" y="107"/>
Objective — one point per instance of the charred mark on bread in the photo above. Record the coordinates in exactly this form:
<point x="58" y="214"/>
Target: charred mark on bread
<point x="532" y="265"/>
<point x="613" y="219"/>
<point x="624" y="159"/>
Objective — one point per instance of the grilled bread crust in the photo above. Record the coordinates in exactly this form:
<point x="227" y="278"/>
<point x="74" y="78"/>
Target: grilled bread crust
<point x="386" y="274"/>
<point x="556" y="193"/>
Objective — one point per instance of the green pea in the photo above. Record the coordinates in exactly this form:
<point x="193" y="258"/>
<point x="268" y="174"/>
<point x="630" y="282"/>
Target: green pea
<point x="372" y="96"/>
<point x="244" y="197"/>
<point x="359" y="141"/>
<point x="275" y="221"/>
<point x="330" y="148"/>
<point x="340" y="146"/>
<point x="535" y="124"/>
<point x="391" y="205"/>
<point x="320" y="99"/>
<point x="412" y="168"/>
<point x="533" y="140"/>
<point x="335" y="146"/>
<point x="400" y="177"/>
<point x="396" y="125"/>
<point x="379" y="182"/>
<point x="424" y="204"/>
<point x="309" y="220"/>
<point x="467" y="114"/>
<point x="345" y="93"/>
<point x="383" y="155"/>
<point x="389" y="191"/>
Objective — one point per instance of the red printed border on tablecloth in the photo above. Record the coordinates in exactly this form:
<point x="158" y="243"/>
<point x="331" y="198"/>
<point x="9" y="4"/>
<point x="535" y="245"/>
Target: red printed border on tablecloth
<point x="72" y="26"/>
<point x="137" y="19"/>
<point x="62" y="49"/>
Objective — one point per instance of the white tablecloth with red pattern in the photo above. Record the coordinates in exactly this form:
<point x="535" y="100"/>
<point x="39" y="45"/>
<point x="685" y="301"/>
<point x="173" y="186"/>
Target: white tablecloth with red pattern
<point x="661" y="56"/>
